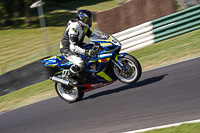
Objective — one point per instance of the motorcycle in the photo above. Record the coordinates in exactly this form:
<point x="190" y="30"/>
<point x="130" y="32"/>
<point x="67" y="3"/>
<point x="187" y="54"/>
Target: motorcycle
<point x="104" y="67"/>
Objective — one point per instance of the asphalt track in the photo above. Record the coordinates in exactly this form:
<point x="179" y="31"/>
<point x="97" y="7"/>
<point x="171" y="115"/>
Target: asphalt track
<point x="162" y="96"/>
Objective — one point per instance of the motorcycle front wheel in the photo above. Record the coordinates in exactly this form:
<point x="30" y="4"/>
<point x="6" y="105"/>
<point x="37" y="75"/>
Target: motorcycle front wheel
<point x="133" y="70"/>
<point x="69" y="94"/>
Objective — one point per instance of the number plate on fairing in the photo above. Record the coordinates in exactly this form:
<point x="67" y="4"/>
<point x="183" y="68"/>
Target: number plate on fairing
<point x="65" y="73"/>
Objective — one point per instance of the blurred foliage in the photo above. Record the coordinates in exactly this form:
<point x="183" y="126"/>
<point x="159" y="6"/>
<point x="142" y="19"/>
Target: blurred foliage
<point x="183" y="4"/>
<point x="17" y="14"/>
<point x="12" y="10"/>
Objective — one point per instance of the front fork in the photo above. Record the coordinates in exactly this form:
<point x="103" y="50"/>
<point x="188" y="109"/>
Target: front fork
<point x="117" y="62"/>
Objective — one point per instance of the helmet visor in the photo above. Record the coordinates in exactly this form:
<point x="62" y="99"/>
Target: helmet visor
<point x="89" y="21"/>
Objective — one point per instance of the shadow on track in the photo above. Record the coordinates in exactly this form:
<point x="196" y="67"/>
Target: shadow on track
<point x="127" y="87"/>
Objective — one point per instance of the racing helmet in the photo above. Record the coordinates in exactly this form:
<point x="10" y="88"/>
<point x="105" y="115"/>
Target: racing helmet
<point x="84" y="16"/>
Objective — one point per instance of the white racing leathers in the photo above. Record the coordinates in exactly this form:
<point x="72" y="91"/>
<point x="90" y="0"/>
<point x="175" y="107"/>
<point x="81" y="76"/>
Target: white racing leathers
<point x="71" y="44"/>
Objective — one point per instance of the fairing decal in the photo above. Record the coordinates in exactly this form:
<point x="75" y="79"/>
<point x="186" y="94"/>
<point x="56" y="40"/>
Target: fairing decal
<point x="90" y="87"/>
<point x="104" y="75"/>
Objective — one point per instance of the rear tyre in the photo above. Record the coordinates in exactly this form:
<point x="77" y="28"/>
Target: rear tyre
<point x="69" y="94"/>
<point x="133" y="70"/>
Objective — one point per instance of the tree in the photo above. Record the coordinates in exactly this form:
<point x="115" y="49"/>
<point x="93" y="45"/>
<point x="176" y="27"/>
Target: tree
<point x="2" y="14"/>
<point x="16" y="12"/>
<point x="27" y="11"/>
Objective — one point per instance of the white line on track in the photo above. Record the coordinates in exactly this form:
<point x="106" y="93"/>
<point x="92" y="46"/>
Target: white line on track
<point x="164" y="126"/>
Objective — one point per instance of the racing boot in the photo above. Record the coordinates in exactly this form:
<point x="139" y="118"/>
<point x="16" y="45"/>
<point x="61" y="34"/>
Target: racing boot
<point x="71" y="78"/>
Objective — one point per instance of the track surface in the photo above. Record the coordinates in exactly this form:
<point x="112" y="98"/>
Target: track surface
<point x="162" y="96"/>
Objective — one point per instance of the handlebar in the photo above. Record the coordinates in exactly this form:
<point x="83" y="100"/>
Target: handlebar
<point x="96" y="49"/>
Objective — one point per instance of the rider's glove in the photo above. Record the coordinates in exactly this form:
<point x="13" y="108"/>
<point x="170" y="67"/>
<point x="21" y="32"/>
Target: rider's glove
<point x="89" y="52"/>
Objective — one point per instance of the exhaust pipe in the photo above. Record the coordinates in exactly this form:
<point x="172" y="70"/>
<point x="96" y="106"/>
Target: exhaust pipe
<point x="59" y="80"/>
<point x="62" y="81"/>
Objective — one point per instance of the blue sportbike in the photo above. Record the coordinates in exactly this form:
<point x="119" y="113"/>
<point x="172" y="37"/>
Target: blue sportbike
<point x="104" y="67"/>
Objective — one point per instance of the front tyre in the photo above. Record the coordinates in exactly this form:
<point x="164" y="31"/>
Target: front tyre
<point x="133" y="70"/>
<point x="69" y="94"/>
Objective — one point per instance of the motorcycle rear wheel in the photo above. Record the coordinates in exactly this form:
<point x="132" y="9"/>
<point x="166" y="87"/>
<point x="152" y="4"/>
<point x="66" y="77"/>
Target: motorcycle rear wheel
<point x="69" y="94"/>
<point x="133" y="70"/>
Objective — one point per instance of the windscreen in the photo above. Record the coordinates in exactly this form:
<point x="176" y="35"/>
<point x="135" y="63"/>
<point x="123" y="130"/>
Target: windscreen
<point x="98" y="35"/>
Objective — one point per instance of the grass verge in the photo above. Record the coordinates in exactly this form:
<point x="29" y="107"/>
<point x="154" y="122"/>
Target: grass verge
<point x="169" y="51"/>
<point x="28" y="95"/>
<point x="185" y="128"/>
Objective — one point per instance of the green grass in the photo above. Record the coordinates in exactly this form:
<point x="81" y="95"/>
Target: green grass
<point x="185" y="128"/>
<point x="20" y="47"/>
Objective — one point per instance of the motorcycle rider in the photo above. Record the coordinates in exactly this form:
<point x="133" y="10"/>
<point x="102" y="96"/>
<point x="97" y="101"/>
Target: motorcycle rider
<point x="72" y="41"/>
